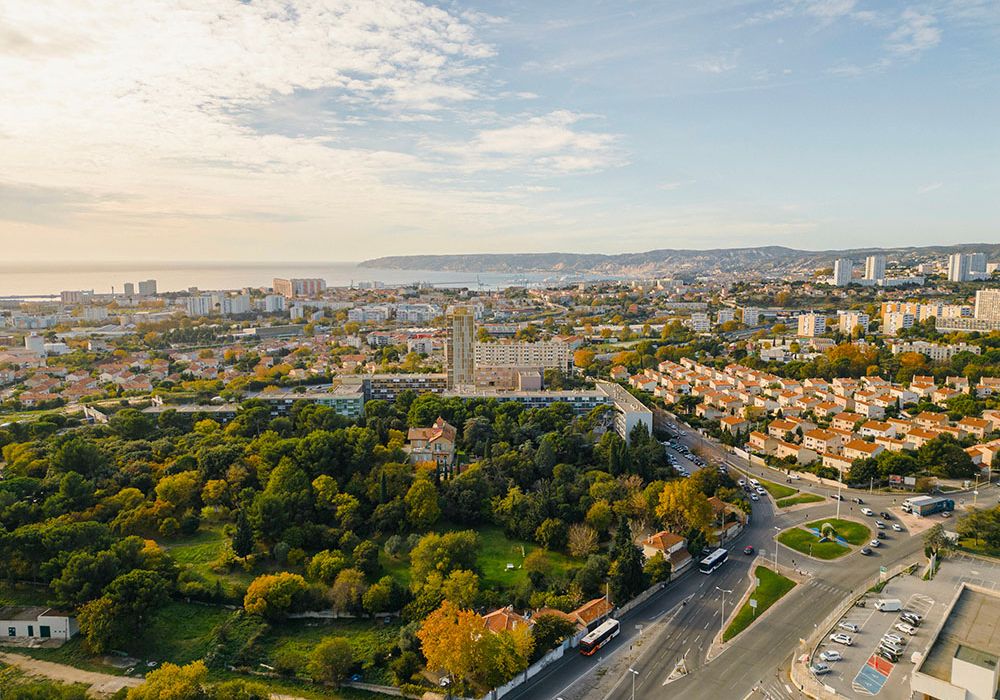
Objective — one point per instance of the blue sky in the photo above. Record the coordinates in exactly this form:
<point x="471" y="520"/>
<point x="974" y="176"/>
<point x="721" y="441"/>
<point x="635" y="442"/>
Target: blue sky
<point x="346" y="129"/>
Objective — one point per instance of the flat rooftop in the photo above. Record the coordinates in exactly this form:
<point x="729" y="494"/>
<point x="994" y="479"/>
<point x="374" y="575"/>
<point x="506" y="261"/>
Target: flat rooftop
<point x="17" y="612"/>
<point x="971" y="630"/>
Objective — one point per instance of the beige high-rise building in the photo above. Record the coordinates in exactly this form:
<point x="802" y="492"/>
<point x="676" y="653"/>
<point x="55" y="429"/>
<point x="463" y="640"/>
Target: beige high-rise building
<point x="988" y="305"/>
<point x="460" y="349"/>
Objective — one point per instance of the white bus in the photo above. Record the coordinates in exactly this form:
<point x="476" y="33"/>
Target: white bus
<point x="713" y="561"/>
<point x="601" y="635"/>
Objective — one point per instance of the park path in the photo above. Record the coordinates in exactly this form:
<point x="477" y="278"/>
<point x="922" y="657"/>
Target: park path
<point x="99" y="684"/>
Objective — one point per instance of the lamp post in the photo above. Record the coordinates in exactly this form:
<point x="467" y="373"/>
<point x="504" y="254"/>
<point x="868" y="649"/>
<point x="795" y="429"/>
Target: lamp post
<point x="840" y="486"/>
<point x="722" y="622"/>
<point x="634" y="674"/>
<point x="776" y="549"/>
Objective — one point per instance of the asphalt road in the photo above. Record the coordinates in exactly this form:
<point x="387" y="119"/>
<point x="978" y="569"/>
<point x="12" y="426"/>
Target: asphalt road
<point x="680" y="621"/>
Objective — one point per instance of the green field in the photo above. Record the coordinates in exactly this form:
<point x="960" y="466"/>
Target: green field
<point x="800" y="498"/>
<point x="777" y="490"/>
<point x="772" y="587"/>
<point x="802" y="540"/>
<point x="200" y="553"/>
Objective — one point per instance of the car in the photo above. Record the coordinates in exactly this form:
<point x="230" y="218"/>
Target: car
<point x="888" y="655"/>
<point x="831" y="655"/>
<point x="820" y="669"/>
<point x="909" y="613"/>
<point x="742" y="482"/>
<point x="891" y="647"/>
<point x="885" y="514"/>
<point x="857" y="500"/>
<point x="868" y="511"/>
<point x="754" y="497"/>
<point x="894" y="638"/>
<point x="836" y="497"/>
<point x="761" y="490"/>
<point x="880" y="535"/>
<point x="793" y="476"/>
<point x="849" y="626"/>
<point x="866" y="551"/>
<point x="879" y="524"/>
<point x="910" y="620"/>
<point x="897" y="527"/>
<point x="748" y="549"/>
<point x="841" y="638"/>
<point x="875" y="543"/>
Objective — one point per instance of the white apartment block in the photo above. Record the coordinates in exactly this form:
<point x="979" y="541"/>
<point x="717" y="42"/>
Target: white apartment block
<point x="849" y="320"/>
<point x="274" y="303"/>
<point x="875" y="267"/>
<point x="147" y="288"/>
<point x="417" y="313"/>
<point x="699" y="323"/>
<point x="725" y="315"/>
<point x="895" y="321"/>
<point x="938" y="353"/>
<point x="369" y="314"/>
<point x="963" y="267"/>
<point x="201" y="305"/>
<point x="551" y="354"/>
<point x="843" y="269"/>
<point x="811" y="325"/>
<point x="987" y="305"/>
<point x="751" y="316"/>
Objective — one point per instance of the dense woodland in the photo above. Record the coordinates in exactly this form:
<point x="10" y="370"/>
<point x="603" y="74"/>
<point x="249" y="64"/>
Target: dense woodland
<point x="328" y="514"/>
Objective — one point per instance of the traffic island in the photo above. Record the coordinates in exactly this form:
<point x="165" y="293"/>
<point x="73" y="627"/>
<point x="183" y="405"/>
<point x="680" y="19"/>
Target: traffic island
<point x="754" y="605"/>
<point x="830" y="538"/>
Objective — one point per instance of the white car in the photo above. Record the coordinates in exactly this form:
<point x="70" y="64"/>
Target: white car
<point x="897" y="527"/>
<point x="742" y="482"/>
<point x="754" y="497"/>
<point x="820" y="669"/>
<point x="831" y="655"/>
<point x="761" y="490"/>
<point x="841" y="638"/>
<point x="875" y="543"/>
<point x="894" y="638"/>
<point x="868" y="511"/>
<point x="849" y="626"/>
<point x="793" y="476"/>
<point x="903" y="627"/>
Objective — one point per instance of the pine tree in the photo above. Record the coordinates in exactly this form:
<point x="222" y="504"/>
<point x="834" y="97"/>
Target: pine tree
<point x="627" y="578"/>
<point x="243" y="537"/>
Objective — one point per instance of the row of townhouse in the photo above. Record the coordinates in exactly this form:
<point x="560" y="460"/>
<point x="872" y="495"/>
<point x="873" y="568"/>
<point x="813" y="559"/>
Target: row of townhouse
<point x="853" y="411"/>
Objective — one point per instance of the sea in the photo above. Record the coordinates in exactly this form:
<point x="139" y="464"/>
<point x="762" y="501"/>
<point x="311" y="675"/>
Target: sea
<point x="42" y="279"/>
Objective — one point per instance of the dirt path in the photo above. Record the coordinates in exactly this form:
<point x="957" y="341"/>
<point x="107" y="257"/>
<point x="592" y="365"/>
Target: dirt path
<point x="98" y="683"/>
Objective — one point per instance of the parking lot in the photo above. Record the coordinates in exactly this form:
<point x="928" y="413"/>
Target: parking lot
<point x="861" y="672"/>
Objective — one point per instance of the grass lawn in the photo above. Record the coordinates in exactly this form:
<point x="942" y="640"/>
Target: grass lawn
<point x="800" y="540"/>
<point x="982" y="549"/>
<point x="372" y="642"/>
<point x="854" y="532"/>
<point x="201" y="551"/>
<point x="777" y="490"/>
<point x="295" y="688"/>
<point x="772" y="587"/>
<point x="800" y="498"/>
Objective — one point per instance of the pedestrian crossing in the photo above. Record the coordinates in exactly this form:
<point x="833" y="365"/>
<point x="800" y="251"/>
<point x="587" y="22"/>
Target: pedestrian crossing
<point x="828" y="587"/>
<point x="775" y="689"/>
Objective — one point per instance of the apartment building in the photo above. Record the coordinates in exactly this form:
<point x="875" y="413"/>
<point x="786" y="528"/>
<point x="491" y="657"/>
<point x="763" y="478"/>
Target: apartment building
<point x="810" y="325"/>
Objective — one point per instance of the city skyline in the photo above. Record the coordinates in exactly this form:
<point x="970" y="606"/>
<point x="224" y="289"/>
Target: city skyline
<point x="346" y="131"/>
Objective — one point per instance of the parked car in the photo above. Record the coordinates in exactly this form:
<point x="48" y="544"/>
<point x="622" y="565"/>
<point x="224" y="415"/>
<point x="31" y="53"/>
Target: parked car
<point x="841" y="638"/>
<point x="906" y="628"/>
<point x="897" y="527"/>
<point x="793" y="476"/>
<point x="849" y="626"/>
<point x="831" y="655"/>
<point x="748" y="549"/>
<point x="885" y="514"/>
<point x="888" y="655"/>
<point x="875" y="543"/>
<point x="879" y="524"/>
<point x="857" y="500"/>
<point x="866" y="551"/>
<point x="868" y="511"/>
<point x="910" y="620"/>
<point x="742" y="482"/>
<point x="820" y="669"/>
<point x="761" y="490"/>
<point x="880" y="535"/>
<point x="894" y="638"/>
<point x="754" y="497"/>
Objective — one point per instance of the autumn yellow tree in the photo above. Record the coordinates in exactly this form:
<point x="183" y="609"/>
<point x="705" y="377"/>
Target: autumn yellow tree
<point x="683" y="506"/>
<point x="447" y="639"/>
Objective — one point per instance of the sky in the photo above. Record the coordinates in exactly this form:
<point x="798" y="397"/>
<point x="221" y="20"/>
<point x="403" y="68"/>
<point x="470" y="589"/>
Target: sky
<point x="349" y="129"/>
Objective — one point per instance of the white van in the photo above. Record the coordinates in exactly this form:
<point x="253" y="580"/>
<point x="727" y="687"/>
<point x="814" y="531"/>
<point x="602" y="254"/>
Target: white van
<point x="889" y="605"/>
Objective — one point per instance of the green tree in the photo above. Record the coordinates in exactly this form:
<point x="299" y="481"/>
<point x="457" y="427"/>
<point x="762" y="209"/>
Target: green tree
<point x="273" y="595"/>
<point x="331" y="660"/>
<point x="243" y="540"/>
<point x="422" y="509"/>
<point x="626" y="576"/>
<point x="658" y="568"/>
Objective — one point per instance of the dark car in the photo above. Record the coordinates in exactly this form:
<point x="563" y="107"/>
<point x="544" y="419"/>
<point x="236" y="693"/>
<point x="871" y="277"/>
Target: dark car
<point x="857" y="500"/>
<point x="888" y="655"/>
<point x="866" y="551"/>
<point x="748" y="549"/>
<point x="886" y="515"/>
<point x="880" y="534"/>
<point x="836" y="497"/>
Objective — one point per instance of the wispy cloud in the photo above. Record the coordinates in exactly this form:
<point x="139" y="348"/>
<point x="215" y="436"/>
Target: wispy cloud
<point x="716" y="65"/>
<point x="924" y="189"/>
<point x="916" y="32"/>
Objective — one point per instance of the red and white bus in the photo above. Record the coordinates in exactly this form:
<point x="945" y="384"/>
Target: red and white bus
<point x="601" y="635"/>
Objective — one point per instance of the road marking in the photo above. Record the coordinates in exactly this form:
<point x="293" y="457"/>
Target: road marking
<point x="707" y="624"/>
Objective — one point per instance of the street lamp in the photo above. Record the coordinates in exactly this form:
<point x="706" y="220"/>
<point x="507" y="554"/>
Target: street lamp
<point x="722" y="622"/>
<point x="634" y="674"/>
<point x="776" y="549"/>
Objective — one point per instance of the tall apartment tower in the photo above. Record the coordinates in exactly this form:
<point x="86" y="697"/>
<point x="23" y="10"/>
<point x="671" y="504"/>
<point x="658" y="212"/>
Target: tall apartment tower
<point x="958" y="267"/>
<point x="843" y="268"/>
<point x="460" y="349"/>
<point x="875" y="267"/>
<point x="147" y="288"/>
<point x="988" y="304"/>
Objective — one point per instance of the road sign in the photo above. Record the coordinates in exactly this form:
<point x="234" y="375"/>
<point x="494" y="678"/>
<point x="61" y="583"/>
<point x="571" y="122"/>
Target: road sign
<point x="756" y="582"/>
<point x="753" y="602"/>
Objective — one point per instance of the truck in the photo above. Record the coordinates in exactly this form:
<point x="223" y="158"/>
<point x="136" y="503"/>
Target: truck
<point x="927" y="505"/>
<point x="889" y="605"/>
